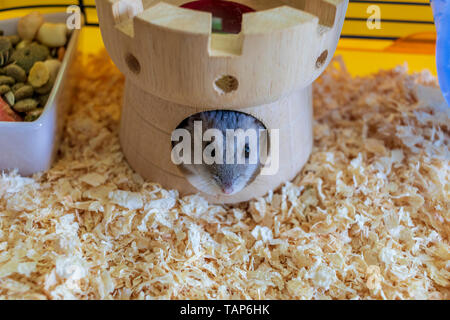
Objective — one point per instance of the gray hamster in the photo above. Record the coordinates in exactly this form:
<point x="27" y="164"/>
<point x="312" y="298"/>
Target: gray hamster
<point x="225" y="179"/>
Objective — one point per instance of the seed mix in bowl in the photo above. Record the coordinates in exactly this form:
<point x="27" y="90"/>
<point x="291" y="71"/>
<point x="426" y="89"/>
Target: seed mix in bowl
<point x="29" y="65"/>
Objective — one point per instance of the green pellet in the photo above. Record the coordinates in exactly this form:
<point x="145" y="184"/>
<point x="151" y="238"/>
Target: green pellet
<point x="24" y="92"/>
<point x="4" y="89"/>
<point x="16" y="72"/>
<point x="33" y="115"/>
<point x="45" y="89"/>
<point x="43" y="99"/>
<point x="17" y="86"/>
<point x="26" y="105"/>
<point x="7" y="80"/>
<point x="28" y="56"/>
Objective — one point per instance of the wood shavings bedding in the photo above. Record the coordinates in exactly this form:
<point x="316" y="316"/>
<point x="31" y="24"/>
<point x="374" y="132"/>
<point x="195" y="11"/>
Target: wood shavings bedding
<point x="368" y="217"/>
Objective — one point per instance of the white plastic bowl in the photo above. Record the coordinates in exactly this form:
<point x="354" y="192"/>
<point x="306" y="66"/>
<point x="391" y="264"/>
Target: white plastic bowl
<point x="31" y="147"/>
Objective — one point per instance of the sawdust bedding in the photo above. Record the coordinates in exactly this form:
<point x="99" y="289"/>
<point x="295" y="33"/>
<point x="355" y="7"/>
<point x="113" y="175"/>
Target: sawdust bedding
<point x="368" y="217"/>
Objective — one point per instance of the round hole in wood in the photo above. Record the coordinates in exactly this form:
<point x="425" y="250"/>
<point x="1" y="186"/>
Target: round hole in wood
<point x="133" y="63"/>
<point x="226" y="84"/>
<point x="321" y="59"/>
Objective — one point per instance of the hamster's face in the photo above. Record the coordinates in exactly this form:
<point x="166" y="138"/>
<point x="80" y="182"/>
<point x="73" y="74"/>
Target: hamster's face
<point x="232" y="178"/>
<point x="243" y="165"/>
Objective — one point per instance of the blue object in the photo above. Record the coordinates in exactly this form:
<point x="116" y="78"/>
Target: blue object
<point x="441" y="12"/>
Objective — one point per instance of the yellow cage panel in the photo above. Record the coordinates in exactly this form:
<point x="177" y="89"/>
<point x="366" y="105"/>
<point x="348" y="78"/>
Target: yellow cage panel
<point x="404" y="31"/>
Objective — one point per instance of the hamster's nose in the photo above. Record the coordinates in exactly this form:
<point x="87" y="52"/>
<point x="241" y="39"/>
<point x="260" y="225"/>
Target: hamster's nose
<point x="227" y="188"/>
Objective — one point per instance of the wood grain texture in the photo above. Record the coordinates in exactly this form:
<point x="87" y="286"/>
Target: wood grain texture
<point x="172" y="63"/>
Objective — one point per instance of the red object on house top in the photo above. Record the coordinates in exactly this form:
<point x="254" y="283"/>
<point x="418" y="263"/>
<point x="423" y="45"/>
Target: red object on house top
<point x="227" y="15"/>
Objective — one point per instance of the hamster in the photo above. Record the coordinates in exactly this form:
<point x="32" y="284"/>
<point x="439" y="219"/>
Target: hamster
<point x="225" y="179"/>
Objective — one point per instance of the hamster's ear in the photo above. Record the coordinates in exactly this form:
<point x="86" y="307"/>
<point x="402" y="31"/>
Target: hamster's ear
<point x="189" y="122"/>
<point x="258" y="123"/>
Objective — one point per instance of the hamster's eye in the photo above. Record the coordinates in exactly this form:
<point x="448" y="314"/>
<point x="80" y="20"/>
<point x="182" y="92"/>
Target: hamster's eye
<point x="247" y="151"/>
